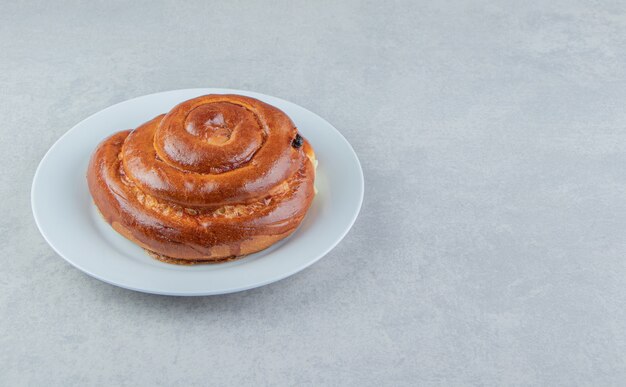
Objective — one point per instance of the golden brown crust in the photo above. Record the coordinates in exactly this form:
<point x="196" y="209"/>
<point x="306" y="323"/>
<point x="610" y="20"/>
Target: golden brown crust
<point x="215" y="179"/>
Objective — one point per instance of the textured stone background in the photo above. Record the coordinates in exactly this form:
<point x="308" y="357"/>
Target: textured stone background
<point x="491" y="246"/>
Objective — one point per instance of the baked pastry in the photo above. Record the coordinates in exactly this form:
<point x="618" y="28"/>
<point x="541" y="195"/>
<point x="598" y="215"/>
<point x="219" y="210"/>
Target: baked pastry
<point x="216" y="178"/>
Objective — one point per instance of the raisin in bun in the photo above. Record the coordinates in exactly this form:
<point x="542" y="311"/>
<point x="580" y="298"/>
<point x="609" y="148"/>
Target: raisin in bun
<point x="216" y="178"/>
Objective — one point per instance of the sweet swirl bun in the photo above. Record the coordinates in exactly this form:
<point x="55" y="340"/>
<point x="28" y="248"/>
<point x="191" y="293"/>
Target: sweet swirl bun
<point x="216" y="178"/>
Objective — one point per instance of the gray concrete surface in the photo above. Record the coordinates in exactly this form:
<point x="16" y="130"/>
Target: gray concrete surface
<point x="491" y="246"/>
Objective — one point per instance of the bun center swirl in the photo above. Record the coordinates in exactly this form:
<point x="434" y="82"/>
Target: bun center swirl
<point x="211" y="138"/>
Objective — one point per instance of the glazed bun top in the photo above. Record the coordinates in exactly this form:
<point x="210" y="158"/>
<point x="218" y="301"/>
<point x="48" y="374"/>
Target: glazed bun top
<point x="213" y="150"/>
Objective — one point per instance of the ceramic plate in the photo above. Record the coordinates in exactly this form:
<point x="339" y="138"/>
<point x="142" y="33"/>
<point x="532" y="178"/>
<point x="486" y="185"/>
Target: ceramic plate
<point x="70" y="223"/>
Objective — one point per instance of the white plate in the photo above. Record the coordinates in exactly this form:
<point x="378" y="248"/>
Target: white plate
<point x="69" y="222"/>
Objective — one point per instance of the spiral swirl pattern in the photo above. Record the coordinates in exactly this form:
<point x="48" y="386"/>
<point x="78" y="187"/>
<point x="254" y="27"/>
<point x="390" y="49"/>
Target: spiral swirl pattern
<point x="217" y="177"/>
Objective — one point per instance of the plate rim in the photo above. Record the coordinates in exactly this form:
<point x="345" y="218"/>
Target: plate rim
<point x="338" y="238"/>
